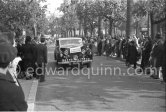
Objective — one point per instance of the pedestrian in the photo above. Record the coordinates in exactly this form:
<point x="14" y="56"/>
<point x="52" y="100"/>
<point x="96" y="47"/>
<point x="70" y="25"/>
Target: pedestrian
<point x="132" y="54"/>
<point x="164" y="63"/>
<point x="34" y="42"/>
<point x="41" y="59"/>
<point x="127" y="45"/>
<point x="156" y="57"/>
<point x="11" y="96"/>
<point x="20" y="54"/>
<point x="113" y="47"/>
<point x="118" y="47"/>
<point x="123" y="47"/>
<point x="146" y="49"/>
<point x="99" y="47"/>
<point x="9" y="37"/>
<point x="28" y="57"/>
<point x="107" y="47"/>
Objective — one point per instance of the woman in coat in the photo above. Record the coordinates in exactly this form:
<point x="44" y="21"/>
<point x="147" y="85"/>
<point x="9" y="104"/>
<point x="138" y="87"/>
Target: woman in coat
<point x="29" y="56"/>
<point x="132" y="54"/>
<point x="157" y="56"/>
<point x="146" y="53"/>
<point x="164" y="63"/>
<point x="107" y="47"/>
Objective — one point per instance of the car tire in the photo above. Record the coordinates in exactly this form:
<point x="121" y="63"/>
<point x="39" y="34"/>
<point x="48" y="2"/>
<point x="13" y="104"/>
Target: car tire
<point x="56" y="64"/>
<point x="81" y="66"/>
<point x="89" y="65"/>
<point x="55" y="56"/>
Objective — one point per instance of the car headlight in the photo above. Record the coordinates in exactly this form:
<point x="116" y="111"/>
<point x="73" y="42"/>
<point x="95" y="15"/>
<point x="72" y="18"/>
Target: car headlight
<point x="83" y="51"/>
<point x="75" y="57"/>
<point x="66" y="52"/>
<point x="61" y="54"/>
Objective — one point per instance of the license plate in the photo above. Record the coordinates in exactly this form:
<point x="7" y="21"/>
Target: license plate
<point x="75" y="63"/>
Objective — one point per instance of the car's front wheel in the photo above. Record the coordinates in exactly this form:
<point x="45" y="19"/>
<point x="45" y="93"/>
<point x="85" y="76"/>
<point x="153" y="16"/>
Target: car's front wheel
<point x="89" y="65"/>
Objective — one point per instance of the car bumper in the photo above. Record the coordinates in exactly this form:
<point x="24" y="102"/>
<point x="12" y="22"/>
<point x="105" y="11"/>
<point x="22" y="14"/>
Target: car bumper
<point x="75" y="62"/>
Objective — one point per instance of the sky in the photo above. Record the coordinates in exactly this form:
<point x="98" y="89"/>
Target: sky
<point x="52" y="6"/>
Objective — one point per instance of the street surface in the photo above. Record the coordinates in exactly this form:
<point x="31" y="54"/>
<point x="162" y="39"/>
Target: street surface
<point x="99" y="90"/>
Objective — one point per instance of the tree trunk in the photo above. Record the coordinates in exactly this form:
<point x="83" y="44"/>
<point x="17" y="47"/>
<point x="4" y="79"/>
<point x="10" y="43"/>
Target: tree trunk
<point x="137" y="28"/>
<point x="128" y="23"/>
<point x="82" y="32"/>
<point x="105" y="28"/>
<point x="151" y="21"/>
<point x="74" y="32"/>
<point x="85" y="31"/>
<point x="148" y="25"/>
<point x="110" y="26"/>
<point x="115" y="31"/>
<point x="35" y="29"/>
<point x="80" y="28"/>
<point x="99" y="27"/>
<point x="91" y="32"/>
<point x="70" y="33"/>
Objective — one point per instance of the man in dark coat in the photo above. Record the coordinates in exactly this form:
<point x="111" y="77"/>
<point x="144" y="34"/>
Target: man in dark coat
<point x="107" y="47"/>
<point x="20" y="54"/>
<point x="34" y="43"/>
<point x="11" y="96"/>
<point x="123" y="48"/>
<point x="157" y="56"/>
<point x="132" y="54"/>
<point x="164" y="63"/>
<point x="146" y="52"/>
<point x="41" y="59"/>
<point x="29" y="56"/>
<point x="99" y="48"/>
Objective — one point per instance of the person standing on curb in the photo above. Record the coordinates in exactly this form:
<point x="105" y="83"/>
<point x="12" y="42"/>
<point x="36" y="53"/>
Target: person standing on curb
<point x="132" y="54"/>
<point x="156" y="58"/>
<point x="164" y="63"/>
<point x="99" y="48"/>
<point x="28" y="56"/>
<point x="11" y="96"/>
<point x="107" y="47"/>
<point x="146" y="49"/>
<point x="41" y="59"/>
<point x="34" y="42"/>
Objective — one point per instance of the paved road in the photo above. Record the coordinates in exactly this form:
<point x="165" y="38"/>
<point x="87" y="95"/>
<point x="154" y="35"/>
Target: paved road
<point x="99" y="89"/>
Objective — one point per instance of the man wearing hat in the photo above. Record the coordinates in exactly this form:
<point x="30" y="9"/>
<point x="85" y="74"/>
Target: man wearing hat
<point x="157" y="56"/>
<point x="146" y="49"/>
<point x="11" y="96"/>
<point x="41" y="59"/>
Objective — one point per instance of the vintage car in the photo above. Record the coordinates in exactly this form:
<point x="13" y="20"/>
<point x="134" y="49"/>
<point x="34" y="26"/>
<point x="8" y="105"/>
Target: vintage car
<point x="71" y="51"/>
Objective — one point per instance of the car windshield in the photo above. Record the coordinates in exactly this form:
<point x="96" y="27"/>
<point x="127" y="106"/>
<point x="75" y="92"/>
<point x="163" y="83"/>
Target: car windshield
<point x="73" y="42"/>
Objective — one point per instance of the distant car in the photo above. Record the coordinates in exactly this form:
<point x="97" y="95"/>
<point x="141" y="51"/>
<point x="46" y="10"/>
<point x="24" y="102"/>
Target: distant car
<point x="71" y="51"/>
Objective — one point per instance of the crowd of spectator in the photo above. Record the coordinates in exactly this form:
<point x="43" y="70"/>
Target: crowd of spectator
<point x="149" y="52"/>
<point x="33" y="53"/>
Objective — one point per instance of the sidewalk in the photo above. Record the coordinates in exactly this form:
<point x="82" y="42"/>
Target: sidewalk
<point x="30" y="89"/>
<point x="138" y="64"/>
<point x="120" y="59"/>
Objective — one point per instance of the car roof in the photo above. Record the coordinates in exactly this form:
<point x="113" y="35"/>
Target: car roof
<point x="69" y="38"/>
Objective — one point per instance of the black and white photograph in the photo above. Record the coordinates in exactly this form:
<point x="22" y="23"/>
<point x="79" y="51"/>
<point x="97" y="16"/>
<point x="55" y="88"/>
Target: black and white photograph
<point x="83" y="55"/>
